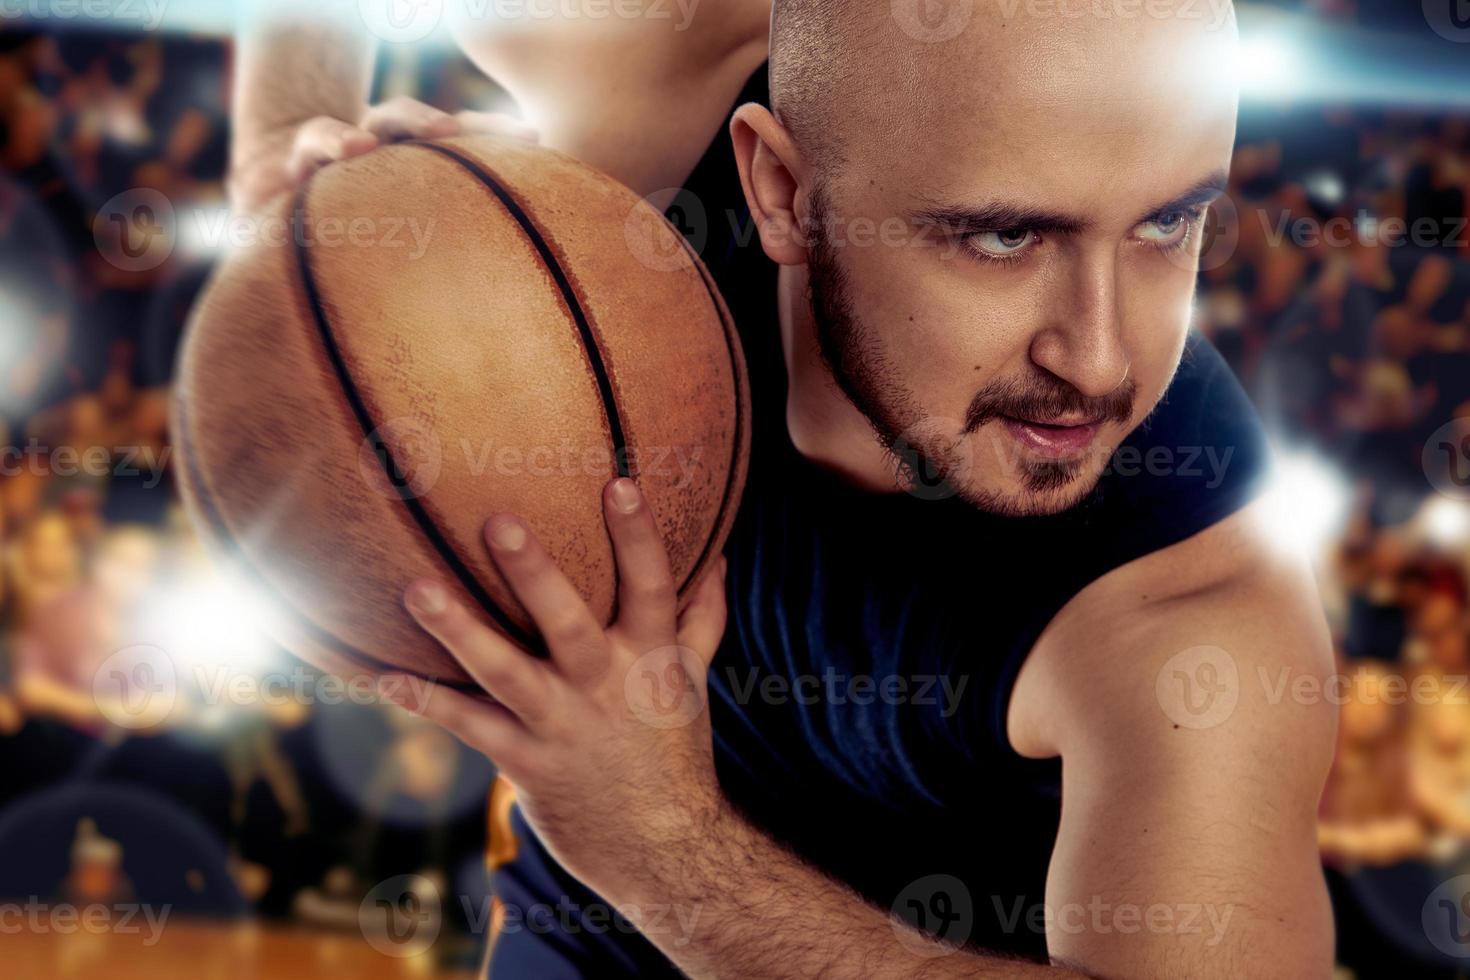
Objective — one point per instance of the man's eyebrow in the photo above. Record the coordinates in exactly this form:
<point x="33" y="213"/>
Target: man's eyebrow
<point x="1203" y="192"/>
<point x="1003" y="216"/>
<point x="998" y="216"/>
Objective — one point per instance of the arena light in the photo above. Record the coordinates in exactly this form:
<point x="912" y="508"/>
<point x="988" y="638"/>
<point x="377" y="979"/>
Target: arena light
<point x="20" y="323"/>
<point x="1445" y="521"/>
<point x="1266" y="66"/>
<point x="1291" y="57"/>
<point x="13" y="315"/>
<point x="1306" y="503"/>
<point x="210" y="625"/>
<point x="206" y="232"/>
<point x="1325" y="186"/>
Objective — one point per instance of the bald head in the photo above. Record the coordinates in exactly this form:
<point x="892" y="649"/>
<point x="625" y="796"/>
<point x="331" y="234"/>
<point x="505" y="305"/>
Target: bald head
<point x="809" y="61"/>
<point x="844" y="72"/>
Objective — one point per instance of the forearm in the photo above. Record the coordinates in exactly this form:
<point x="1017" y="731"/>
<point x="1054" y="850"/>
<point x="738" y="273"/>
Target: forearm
<point x="758" y="911"/>
<point x="296" y="62"/>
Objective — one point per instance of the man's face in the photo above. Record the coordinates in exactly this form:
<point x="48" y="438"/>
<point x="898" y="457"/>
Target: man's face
<point x="1003" y="263"/>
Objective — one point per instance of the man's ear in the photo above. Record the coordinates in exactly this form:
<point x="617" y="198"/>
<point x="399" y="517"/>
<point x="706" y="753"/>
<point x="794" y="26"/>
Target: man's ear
<point x="771" y="172"/>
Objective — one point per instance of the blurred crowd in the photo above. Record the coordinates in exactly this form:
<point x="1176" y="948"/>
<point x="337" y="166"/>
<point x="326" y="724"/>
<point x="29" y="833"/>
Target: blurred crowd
<point x="299" y="805"/>
<point x="1354" y="343"/>
<point x="1339" y="290"/>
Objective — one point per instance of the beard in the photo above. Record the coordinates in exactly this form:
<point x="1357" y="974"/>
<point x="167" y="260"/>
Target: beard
<point x="927" y="454"/>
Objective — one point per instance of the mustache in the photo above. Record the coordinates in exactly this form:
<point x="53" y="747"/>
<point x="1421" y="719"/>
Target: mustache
<point x="1042" y="400"/>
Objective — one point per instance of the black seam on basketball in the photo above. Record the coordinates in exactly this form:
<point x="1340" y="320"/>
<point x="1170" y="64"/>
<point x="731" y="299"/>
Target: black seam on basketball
<point x="728" y="329"/>
<point x="568" y="295"/>
<point x="594" y="351"/>
<point x="415" y="507"/>
<point x="226" y="542"/>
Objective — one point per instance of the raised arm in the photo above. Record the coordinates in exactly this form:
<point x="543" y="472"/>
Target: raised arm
<point x="304" y="72"/>
<point x="300" y="75"/>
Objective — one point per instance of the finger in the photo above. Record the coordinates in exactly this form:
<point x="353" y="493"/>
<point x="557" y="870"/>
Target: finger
<point x="647" y="599"/>
<point x="505" y="672"/>
<point x="497" y="124"/>
<point x="324" y="140"/>
<point x="482" y="725"/>
<point x="574" y="637"/>
<point x="403" y="118"/>
<point x="702" y="624"/>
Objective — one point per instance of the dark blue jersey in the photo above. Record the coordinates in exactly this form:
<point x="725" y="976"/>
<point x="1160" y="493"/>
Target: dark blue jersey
<point x="859" y="696"/>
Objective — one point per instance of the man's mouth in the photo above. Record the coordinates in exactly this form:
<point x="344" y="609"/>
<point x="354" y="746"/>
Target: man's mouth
<point x="1054" y="439"/>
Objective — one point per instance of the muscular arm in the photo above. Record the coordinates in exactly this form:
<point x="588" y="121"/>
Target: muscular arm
<point x="745" y="907"/>
<point x="1187" y="845"/>
<point x="1196" y="735"/>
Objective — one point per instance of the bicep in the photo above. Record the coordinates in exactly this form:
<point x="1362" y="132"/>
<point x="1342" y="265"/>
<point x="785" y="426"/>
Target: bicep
<point x="1189" y="864"/>
<point x="1188" y="840"/>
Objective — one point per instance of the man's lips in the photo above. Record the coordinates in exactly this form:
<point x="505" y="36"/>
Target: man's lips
<point x="1053" y="440"/>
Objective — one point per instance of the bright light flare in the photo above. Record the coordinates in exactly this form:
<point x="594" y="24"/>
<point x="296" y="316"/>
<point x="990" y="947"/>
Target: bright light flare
<point x="1306" y="503"/>
<point x="211" y="625"/>
<point x="1445" y="521"/>
<point x="1266" y="66"/>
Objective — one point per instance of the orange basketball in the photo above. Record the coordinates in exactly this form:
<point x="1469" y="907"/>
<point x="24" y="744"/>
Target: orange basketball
<point x="431" y="333"/>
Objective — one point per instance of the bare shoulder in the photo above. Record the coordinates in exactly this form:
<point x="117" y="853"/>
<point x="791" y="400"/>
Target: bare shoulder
<point x="1223" y="624"/>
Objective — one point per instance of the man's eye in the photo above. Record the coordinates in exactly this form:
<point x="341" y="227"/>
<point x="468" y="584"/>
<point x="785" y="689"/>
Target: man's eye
<point x="1167" y="229"/>
<point x="1001" y="244"/>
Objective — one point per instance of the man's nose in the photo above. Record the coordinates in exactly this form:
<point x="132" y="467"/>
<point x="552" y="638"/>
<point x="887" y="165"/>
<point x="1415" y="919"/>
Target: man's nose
<point x="1082" y="342"/>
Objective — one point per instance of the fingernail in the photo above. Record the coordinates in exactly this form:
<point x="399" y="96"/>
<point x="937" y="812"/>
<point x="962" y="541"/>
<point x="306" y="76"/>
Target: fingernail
<point x="427" y="599"/>
<point x="625" y="495"/>
<point x="508" y="535"/>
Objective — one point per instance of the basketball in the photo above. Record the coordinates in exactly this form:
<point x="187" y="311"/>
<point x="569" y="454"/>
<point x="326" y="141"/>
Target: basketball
<point x="431" y="333"/>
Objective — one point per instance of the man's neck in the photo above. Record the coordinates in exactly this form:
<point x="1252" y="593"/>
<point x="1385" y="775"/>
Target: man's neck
<point x="824" y="425"/>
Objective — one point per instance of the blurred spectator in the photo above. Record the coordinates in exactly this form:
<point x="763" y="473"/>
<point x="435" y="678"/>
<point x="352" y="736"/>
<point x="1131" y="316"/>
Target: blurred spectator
<point x="1367" y="813"/>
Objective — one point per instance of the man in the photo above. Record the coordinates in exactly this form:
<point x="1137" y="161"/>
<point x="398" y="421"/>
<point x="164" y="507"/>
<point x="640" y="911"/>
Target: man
<point x="999" y="679"/>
